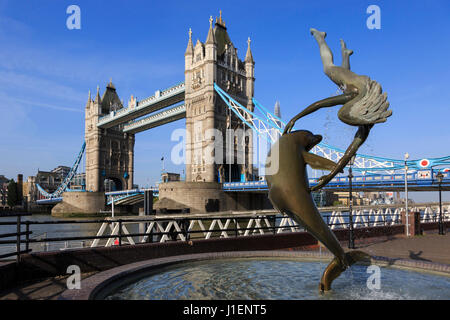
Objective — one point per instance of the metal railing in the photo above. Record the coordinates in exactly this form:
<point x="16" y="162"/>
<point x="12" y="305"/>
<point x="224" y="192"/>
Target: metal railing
<point x="114" y="231"/>
<point x="17" y="235"/>
<point x="157" y="230"/>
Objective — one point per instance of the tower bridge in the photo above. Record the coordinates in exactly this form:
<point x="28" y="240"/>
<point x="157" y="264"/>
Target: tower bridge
<point x="136" y="109"/>
<point x="217" y="93"/>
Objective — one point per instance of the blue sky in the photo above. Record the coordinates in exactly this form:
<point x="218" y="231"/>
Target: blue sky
<point x="47" y="70"/>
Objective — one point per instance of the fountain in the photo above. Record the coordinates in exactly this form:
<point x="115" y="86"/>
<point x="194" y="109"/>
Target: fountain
<point x="281" y="278"/>
<point x="284" y="274"/>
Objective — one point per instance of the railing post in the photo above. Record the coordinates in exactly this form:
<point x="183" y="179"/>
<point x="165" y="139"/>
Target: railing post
<point x="235" y="228"/>
<point x="18" y="239"/>
<point x="274" y="220"/>
<point x="185" y="229"/>
<point x="45" y="243"/>
<point x="27" y="236"/>
<point x="120" y="232"/>
<point x="150" y="236"/>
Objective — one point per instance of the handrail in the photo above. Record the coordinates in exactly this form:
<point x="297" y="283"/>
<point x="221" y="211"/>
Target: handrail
<point x="333" y="220"/>
<point x="18" y="234"/>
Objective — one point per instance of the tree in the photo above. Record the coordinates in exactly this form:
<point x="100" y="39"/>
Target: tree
<point x="12" y="193"/>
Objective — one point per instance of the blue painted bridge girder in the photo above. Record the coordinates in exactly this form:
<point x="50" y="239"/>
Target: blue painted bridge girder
<point x="49" y="201"/>
<point x="128" y="197"/>
<point x="395" y="182"/>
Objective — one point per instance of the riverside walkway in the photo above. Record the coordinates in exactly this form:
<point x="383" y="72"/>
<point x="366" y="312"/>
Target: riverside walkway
<point x="429" y="247"/>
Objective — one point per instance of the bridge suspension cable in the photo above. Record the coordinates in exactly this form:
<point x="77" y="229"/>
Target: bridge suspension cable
<point x="64" y="185"/>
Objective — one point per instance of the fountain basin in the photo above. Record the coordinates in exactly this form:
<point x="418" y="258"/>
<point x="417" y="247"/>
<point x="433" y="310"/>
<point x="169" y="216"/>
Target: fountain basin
<point x="262" y="275"/>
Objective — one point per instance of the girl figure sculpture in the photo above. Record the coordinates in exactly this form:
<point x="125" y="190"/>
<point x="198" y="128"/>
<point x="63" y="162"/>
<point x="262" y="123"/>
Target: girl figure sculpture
<point x="363" y="102"/>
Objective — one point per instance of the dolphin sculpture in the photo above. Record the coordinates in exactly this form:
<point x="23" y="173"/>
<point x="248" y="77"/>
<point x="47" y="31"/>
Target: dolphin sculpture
<point x="363" y="105"/>
<point x="289" y="193"/>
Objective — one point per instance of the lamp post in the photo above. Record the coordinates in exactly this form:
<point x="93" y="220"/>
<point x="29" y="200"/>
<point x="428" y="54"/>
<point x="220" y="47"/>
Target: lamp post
<point x="351" y="240"/>
<point x="439" y="178"/>
<point x="406" y="194"/>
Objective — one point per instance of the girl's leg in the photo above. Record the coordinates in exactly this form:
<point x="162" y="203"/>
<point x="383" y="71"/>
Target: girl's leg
<point x="325" y="52"/>
<point x="346" y="53"/>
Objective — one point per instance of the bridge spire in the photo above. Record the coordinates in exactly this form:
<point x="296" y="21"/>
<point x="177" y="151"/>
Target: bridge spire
<point x="277" y="109"/>
<point x="88" y="103"/>
<point x="190" y="46"/>
<point x="110" y="84"/>
<point x="249" y="56"/>
<point x="210" y="39"/>
<point x="219" y="20"/>
<point x="97" y="97"/>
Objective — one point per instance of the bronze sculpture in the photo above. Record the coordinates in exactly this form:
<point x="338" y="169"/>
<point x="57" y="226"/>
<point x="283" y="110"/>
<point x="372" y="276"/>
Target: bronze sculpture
<point x="289" y="191"/>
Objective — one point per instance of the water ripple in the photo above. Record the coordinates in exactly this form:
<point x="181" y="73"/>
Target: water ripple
<point x="253" y="279"/>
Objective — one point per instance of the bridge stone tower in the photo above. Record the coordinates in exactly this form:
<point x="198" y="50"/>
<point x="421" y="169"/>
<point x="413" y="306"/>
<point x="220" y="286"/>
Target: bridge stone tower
<point x="109" y="152"/>
<point x="217" y="61"/>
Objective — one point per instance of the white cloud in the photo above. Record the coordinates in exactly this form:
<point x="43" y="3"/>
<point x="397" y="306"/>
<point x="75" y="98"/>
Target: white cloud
<point x="30" y="85"/>
<point x="45" y="105"/>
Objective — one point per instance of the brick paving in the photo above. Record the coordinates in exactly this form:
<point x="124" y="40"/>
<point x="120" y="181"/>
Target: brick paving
<point x="47" y="289"/>
<point x="428" y="248"/>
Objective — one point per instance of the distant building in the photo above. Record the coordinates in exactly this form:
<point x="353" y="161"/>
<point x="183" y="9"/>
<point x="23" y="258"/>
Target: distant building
<point x="324" y="198"/>
<point x="277" y="109"/>
<point x="78" y="182"/>
<point x="379" y="198"/>
<point x="169" y="177"/>
<point x="343" y="198"/>
<point x="277" y="112"/>
<point x="48" y="180"/>
<point x="63" y="171"/>
<point x="29" y="190"/>
<point x="3" y="179"/>
<point x="3" y="190"/>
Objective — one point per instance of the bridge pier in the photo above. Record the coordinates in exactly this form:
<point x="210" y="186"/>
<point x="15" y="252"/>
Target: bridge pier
<point x="75" y="202"/>
<point x="203" y="197"/>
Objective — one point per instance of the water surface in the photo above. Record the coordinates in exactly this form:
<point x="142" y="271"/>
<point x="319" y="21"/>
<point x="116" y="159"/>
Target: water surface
<point x="251" y="279"/>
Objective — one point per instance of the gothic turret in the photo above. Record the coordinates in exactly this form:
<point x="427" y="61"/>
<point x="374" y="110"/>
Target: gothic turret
<point x="210" y="39"/>
<point x="98" y="100"/>
<point x="249" y="72"/>
<point x="210" y="55"/>
<point x="249" y="56"/>
<point x="190" y="46"/>
<point x="110" y="99"/>
<point x="215" y="62"/>
<point x="88" y="103"/>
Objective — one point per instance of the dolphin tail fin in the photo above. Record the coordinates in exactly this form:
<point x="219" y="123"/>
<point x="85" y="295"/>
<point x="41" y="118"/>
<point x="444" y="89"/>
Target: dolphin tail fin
<point x="336" y="267"/>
